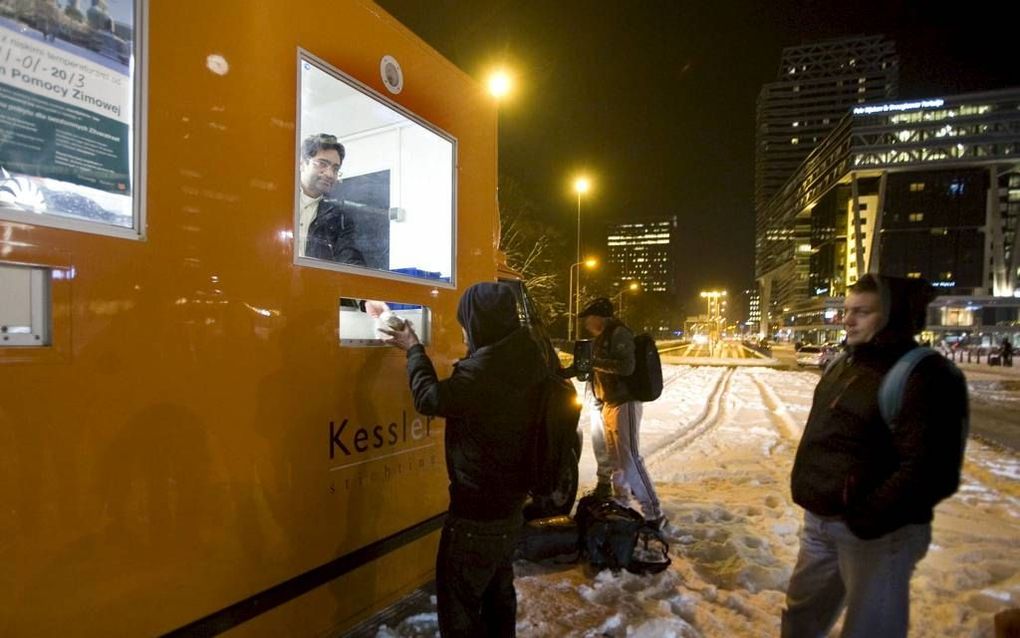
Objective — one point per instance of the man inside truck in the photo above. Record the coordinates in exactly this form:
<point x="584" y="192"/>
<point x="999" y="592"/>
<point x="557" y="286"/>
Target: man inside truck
<point x="325" y="231"/>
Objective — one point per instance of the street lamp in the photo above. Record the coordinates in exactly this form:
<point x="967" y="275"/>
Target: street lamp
<point x="715" y="300"/>
<point x="499" y="83"/>
<point x="581" y="186"/>
<point x="633" y="287"/>
<point x="589" y="264"/>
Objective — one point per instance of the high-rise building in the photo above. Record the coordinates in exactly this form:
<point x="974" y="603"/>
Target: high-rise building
<point x="927" y="188"/>
<point x="817" y="83"/>
<point x="643" y="251"/>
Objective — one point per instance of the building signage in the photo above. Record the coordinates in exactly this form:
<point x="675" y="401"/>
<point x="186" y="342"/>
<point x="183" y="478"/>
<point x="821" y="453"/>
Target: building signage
<point x="901" y="106"/>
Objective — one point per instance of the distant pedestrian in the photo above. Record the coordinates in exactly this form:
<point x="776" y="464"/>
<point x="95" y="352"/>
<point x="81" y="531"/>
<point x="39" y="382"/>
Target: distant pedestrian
<point x="489" y="402"/>
<point x="1007" y="353"/>
<point x="868" y="487"/>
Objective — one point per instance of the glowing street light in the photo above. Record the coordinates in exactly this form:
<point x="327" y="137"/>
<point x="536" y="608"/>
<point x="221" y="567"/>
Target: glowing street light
<point x="499" y="84"/>
<point x="632" y="287"/>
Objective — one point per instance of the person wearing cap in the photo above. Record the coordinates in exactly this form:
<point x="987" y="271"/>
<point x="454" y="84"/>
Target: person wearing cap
<point x="869" y="488"/>
<point x="620" y="412"/>
<point x="489" y="402"/>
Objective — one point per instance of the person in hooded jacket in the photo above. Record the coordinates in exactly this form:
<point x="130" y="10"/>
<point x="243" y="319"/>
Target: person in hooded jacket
<point x="489" y="402"/>
<point x="869" y="487"/>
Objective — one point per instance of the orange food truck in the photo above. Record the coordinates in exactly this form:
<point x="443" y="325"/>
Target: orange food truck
<point x="199" y="429"/>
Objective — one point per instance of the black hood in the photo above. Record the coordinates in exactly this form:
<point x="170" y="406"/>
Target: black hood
<point x="904" y="308"/>
<point x="488" y="313"/>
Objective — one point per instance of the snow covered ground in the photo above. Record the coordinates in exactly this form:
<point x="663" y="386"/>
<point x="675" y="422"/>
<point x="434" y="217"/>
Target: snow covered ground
<point x="719" y="444"/>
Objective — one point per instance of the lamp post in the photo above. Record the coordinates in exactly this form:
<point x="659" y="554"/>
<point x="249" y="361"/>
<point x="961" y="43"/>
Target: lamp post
<point x="633" y="287"/>
<point x="715" y="300"/>
<point x="588" y="263"/>
<point x="581" y="186"/>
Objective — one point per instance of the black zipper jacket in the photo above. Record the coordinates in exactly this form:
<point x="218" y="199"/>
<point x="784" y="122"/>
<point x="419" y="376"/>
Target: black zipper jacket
<point x="879" y="477"/>
<point x="489" y="402"/>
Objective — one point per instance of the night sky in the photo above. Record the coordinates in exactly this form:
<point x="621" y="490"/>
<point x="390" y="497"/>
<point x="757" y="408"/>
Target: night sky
<point x="656" y="100"/>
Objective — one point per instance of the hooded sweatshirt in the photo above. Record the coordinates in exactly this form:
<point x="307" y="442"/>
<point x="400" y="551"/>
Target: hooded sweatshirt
<point x="489" y="402"/>
<point x="852" y="465"/>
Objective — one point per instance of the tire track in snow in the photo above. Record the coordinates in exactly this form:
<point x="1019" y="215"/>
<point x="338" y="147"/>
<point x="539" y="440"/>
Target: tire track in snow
<point x="777" y="411"/>
<point x="709" y="417"/>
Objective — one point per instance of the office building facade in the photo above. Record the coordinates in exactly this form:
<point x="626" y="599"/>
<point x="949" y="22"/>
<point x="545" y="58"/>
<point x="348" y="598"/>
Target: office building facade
<point x="643" y="252"/>
<point x="927" y="188"/>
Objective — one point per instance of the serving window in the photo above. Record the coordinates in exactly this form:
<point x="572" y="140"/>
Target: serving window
<point x="374" y="188"/>
<point x="69" y="127"/>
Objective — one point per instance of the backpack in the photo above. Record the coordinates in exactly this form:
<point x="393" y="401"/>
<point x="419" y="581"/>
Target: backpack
<point x="645" y="382"/>
<point x="616" y="537"/>
<point x="553" y="449"/>
<point x="894" y="383"/>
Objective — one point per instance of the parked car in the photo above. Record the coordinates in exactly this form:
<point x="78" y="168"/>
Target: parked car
<point x="820" y="356"/>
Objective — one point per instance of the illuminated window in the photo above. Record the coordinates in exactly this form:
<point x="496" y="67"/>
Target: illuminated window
<point x="396" y="200"/>
<point x="916" y="217"/>
<point x="956" y="187"/>
<point x="957" y="317"/>
<point x="1014" y="196"/>
<point x="794" y="140"/>
<point x="916" y="187"/>
<point x="914" y="275"/>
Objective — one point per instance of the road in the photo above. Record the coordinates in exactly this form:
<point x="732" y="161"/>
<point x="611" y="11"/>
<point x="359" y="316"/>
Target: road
<point x="721" y="352"/>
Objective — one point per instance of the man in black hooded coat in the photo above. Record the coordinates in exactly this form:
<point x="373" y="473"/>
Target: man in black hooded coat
<point x="869" y="487"/>
<point x="489" y="402"/>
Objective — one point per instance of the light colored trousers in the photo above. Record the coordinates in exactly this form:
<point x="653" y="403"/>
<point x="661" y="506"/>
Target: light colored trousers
<point x="871" y="578"/>
<point x="597" y="430"/>
<point x="614" y="435"/>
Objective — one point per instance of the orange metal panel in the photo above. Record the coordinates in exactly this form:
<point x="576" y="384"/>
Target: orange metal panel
<point x="169" y="454"/>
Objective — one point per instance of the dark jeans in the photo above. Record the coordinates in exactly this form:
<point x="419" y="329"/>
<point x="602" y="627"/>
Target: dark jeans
<point x="475" y="578"/>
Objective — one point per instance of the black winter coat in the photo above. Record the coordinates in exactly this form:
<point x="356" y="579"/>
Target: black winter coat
<point x="331" y="235"/>
<point x="879" y="477"/>
<point x="489" y="402"/>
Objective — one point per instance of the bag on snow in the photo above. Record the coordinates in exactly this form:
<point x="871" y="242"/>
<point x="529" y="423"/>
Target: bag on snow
<point x="545" y="538"/>
<point x="615" y="537"/>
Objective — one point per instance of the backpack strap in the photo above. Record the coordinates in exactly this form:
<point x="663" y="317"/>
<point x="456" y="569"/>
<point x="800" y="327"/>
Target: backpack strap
<point x="894" y="383"/>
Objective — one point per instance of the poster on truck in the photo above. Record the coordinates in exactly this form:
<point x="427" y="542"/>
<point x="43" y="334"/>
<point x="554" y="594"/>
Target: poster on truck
<point x="67" y="92"/>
